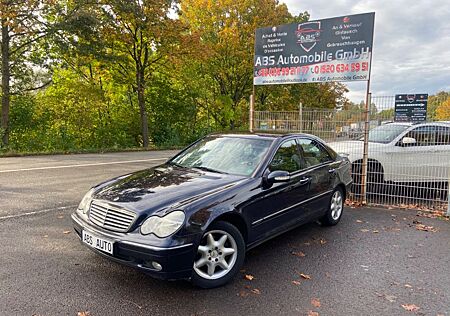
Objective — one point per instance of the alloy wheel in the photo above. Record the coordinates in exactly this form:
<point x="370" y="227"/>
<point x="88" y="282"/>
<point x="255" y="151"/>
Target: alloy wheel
<point x="216" y="255"/>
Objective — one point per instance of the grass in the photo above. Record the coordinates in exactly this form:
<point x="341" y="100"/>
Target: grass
<point x="14" y="153"/>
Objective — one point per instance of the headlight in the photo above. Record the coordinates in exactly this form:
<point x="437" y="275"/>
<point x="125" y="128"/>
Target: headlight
<point x="163" y="226"/>
<point x="86" y="201"/>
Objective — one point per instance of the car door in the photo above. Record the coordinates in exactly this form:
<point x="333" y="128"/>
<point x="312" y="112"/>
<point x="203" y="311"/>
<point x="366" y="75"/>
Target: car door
<point x="275" y="207"/>
<point x="321" y="170"/>
<point x="417" y="162"/>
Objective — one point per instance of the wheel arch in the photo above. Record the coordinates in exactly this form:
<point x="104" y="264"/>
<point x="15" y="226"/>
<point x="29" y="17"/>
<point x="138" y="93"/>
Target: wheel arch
<point x="235" y="219"/>
<point x="370" y="162"/>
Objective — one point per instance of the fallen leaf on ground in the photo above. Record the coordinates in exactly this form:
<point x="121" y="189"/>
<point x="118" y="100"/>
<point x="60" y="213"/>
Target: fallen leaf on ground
<point x="408" y="286"/>
<point x="364" y="230"/>
<point x="249" y="277"/>
<point x="426" y="228"/>
<point x="295" y="282"/>
<point x="359" y="221"/>
<point x="83" y="314"/>
<point x="375" y="231"/>
<point x="66" y="232"/>
<point x="298" y="253"/>
<point x="323" y="241"/>
<point x="256" y="291"/>
<point x="410" y="307"/>
<point x="305" y="276"/>
<point x="311" y="313"/>
<point x="390" y="298"/>
<point x="60" y="216"/>
<point x="45" y="236"/>
<point x="243" y="293"/>
<point x="315" y="302"/>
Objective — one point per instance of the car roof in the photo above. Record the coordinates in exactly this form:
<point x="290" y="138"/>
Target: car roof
<point x="438" y="123"/>
<point x="262" y="135"/>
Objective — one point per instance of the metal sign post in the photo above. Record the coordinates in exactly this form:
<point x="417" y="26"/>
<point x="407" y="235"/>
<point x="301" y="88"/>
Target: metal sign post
<point x="251" y="109"/>
<point x="366" y="146"/>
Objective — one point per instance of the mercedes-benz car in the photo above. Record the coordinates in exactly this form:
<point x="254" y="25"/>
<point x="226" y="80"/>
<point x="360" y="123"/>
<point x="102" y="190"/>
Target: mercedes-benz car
<point x="402" y="152"/>
<point x="195" y="216"/>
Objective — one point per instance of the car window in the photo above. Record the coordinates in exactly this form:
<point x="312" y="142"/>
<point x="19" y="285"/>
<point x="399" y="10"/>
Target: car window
<point x="313" y="152"/>
<point x="442" y="135"/>
<point x="424" y="135"/>
<point x="287" y="158"/>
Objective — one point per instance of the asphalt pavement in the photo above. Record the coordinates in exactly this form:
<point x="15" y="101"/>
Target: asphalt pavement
<point x="372" y="263"/>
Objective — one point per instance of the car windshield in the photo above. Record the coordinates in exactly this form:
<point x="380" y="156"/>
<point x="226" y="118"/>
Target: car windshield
<point x="222" y="154"/>
<point x="386" y="133"/>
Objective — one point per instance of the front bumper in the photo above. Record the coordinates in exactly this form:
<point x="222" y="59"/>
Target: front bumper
<point x="176" y="261"/>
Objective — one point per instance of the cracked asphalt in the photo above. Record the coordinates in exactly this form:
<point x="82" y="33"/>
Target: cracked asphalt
<point x="372" y="263"/>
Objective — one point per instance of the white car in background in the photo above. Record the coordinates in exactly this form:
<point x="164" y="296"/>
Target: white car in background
<point x="402" y="152"/>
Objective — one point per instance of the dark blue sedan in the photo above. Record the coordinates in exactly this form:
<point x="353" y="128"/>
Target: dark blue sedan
<point x="195" y="216"/>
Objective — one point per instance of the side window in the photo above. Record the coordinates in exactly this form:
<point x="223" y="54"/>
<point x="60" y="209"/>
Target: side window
<point x="286" y="158"/>
<point x="424" y="135"/>
<point x="442" y="135"/>
<point x="313" y="152"/>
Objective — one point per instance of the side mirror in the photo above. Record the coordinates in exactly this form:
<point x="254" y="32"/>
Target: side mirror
<point x="278" y="176"/>
<point x="408" y="141"/>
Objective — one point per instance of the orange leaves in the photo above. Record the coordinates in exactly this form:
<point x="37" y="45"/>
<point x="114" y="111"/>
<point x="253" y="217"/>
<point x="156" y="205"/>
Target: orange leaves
<point x="410" y="307"/>
<point x="315" y="302"/>
<point x="249" y="277"/>
<point x="305" y="276"/>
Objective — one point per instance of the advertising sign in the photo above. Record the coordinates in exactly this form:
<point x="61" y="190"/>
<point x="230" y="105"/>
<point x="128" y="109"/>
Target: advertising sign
<point x="336" y="49"/>
<point x="411" y="107"/>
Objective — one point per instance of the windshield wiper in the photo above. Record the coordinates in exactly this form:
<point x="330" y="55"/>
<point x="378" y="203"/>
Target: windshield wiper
<point x="176" y="164"/>
<point x="208" y="169"/>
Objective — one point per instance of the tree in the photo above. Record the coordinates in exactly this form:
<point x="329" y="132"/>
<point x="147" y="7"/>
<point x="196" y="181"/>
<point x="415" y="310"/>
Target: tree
<point x="22" y="28"/>
<point x="225" y="31"/>
<point x="443" y="110"/>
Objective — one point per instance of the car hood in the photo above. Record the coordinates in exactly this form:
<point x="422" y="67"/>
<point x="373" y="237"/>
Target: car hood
<point x="151" y="190"/>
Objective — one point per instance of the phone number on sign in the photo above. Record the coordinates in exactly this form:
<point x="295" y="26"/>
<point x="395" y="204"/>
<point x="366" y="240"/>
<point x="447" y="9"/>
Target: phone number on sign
<point x="317" y="69"/>
<point x="339" y="68"/>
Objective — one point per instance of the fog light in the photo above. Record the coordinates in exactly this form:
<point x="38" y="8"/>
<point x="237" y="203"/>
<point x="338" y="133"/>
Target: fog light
<point x="156" y="265"/>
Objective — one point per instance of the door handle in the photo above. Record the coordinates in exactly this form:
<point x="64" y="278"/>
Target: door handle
<point x="304" y="180"/>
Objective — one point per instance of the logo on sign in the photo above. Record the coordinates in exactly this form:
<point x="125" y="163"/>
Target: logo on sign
<point x="308" y="34"/>
<point x="411" y="98"/>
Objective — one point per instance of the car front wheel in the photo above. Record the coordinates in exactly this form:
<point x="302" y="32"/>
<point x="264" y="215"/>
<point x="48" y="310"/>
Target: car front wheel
<point x="219" y="256"/>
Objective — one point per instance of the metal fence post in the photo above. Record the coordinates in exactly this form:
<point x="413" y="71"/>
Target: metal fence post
<point x="250" y="118"/>
<point x="300" y="117"/>
<point x="448" y="193"/>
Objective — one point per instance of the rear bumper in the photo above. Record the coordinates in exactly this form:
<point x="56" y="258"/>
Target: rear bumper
<point x="176" y="261"/>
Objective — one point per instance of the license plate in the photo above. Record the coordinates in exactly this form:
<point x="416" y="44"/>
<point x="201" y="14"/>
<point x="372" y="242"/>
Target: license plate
<point x="97" y="242"/>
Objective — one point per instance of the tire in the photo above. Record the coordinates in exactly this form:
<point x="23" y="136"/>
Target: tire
<point x="222" y="256"/>
<point x="335" y="208"/>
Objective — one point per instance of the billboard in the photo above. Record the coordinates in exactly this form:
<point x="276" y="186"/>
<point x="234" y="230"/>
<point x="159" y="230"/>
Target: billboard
<point x="336" y="49"/>
<point x="411" y="107"/>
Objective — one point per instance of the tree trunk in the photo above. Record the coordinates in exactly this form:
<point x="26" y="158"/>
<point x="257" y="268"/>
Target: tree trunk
<point x="141" y="102"/>
<point x="5" y="83"/>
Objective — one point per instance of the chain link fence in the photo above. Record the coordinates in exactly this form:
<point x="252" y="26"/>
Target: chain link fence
<point x="408" y="164"/>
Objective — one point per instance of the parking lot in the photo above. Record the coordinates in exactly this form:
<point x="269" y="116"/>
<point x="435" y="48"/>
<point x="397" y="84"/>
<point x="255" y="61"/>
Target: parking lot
<point x="375" y="262"/>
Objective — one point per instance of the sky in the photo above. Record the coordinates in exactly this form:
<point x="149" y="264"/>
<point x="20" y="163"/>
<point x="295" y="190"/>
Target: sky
<point x="411" y="52"/>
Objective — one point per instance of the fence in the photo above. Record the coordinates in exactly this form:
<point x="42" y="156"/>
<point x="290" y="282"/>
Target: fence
<point x="407" y="164"/>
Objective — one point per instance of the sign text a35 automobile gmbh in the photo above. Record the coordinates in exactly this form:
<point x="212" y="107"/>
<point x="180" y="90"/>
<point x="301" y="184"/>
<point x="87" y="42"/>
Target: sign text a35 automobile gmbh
<point x="335" y="49"/>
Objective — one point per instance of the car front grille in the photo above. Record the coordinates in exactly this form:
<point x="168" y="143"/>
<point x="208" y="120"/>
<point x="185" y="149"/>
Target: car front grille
<point x="111" y="218"/>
